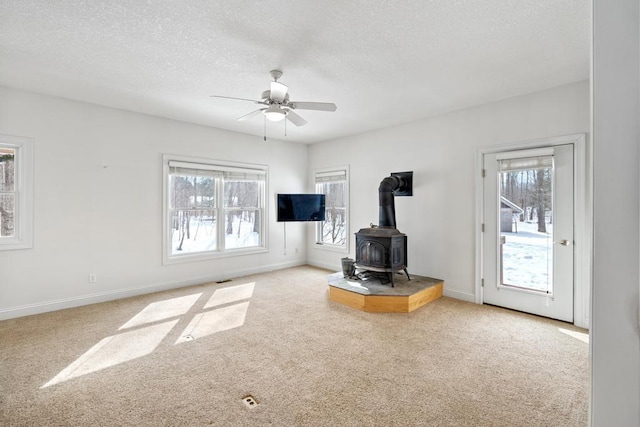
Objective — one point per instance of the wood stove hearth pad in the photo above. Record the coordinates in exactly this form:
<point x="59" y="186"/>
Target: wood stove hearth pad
<point x="375" y="297"/>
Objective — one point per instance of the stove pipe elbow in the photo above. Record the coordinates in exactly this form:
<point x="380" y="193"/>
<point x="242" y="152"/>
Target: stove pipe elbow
<point x="387" y="208"/>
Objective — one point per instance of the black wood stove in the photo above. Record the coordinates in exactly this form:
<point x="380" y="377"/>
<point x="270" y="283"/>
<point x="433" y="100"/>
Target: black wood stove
<point x="382" y="248"/>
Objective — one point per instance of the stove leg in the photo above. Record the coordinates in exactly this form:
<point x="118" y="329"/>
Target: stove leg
<point x="407" y="273"/>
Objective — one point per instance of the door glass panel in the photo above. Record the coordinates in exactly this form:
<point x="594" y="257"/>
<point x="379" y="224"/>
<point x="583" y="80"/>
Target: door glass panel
<point x="526" y="223"/>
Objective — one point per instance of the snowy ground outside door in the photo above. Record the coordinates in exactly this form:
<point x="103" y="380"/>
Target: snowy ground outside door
<point x="527" y="257"/>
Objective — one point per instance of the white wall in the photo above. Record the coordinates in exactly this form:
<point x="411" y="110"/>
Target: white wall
<point x="98" y="205"/>
<point x="439" y="218"/>
<point x="615" y="333"/>
<point x="107" y="220"/>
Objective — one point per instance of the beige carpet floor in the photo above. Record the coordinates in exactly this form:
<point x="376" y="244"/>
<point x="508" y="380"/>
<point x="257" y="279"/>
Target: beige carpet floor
<point x="187" y="357"/>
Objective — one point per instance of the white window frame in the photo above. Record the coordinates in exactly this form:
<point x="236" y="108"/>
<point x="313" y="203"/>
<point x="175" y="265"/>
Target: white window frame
<point x="23" y="217"/>
<point x="220" y="252"/>
<point x="328" y="246"/>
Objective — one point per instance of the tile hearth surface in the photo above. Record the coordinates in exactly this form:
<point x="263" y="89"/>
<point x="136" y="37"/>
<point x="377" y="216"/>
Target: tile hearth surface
<point x="403" y="286"/>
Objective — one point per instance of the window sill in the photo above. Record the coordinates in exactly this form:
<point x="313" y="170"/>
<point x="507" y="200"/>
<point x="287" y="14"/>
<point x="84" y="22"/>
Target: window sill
<point x="14" y="245"/>
<point x="181" y="259"/>
<point x="331" y="248"/>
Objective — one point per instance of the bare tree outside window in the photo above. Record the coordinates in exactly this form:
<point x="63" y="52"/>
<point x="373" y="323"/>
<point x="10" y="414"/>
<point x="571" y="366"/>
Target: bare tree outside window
<point x="531" y="190"/>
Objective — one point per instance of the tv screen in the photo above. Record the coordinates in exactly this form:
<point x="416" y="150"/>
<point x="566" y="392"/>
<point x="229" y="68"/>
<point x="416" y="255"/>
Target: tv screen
<point x="300" y="207"/>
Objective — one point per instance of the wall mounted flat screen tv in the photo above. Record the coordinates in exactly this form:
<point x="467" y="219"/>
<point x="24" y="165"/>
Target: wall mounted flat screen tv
<point x="300" y="207"/>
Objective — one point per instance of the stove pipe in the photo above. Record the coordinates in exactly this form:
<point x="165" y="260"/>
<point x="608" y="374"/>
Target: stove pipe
<point x="387" y="208"/>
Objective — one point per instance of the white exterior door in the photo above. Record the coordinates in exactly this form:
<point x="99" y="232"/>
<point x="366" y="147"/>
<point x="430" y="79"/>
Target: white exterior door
<point x="528" y="221"/>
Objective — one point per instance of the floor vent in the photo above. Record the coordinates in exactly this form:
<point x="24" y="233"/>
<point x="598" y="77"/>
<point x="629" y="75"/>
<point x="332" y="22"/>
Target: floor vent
<point x="223" y="281"/>
<point x="250" y="401"/>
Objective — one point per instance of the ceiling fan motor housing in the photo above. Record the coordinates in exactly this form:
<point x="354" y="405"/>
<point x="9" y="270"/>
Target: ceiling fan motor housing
<point x="266" y="97"/>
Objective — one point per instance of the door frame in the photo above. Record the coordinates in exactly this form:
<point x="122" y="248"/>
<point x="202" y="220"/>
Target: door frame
<point x="583" y="217"/>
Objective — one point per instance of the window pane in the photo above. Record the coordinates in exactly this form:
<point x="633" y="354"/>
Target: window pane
<point x="335" y="193"/>
<point x="333" y="230"/>
<point x="242" y="194"/>
<point x="192" y="191"/>
<point x="182" y="189"/>
<point x="7" y="169"/>
<point x="205" y="192"/>
<point x="7" y="213"/>
<point x="526" y="229"/>
<point x="242" y="228"/>
<point x="193" y="231"/>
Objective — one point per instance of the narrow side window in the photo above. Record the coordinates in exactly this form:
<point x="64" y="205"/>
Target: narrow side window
<point x="16" y="193"/>
<point x="333" y="232"/>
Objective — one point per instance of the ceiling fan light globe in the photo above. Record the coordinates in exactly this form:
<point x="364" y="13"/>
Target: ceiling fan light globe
<point x="274" y="113"/>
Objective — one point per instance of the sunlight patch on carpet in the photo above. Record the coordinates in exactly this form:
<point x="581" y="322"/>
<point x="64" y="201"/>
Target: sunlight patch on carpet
<point x="114" y="350"/>
<point x="230" y="294"/>
<point x="132" y="344"/>
<point x="214" y="321"/>
<point x="162" y="310"/>
<point x="578" y="335"/>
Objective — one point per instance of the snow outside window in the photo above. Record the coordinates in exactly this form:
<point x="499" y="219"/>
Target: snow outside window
<point x="213" y="209"/>
<point x="333" y="232"/>
<point x="16" y="193"/>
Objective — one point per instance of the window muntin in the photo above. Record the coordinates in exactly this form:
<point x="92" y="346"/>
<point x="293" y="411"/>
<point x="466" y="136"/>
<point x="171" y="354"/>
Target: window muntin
<point x="334" y="230"/>
<point x="16" y="193"/>
<point x="214" y="209"/>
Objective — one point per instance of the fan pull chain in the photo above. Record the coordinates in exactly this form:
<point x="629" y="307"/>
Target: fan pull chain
<point x="285" y="124"/>
<point x="265" y="128"/>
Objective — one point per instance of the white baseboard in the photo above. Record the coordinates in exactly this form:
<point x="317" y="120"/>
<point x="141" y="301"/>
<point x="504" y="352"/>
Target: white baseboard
<point x="459" y="295"/>
<point x="324" y="265"/>
<point x="60" y="304"/>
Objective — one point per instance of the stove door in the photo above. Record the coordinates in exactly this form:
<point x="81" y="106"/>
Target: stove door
<point x="372" y="253"/>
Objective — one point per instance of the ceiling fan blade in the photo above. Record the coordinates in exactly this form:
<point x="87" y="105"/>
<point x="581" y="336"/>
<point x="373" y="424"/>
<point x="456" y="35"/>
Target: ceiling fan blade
<point x="278" y="91"/>
<point x="320" y="106"/>
<point x="238" y="99"/>
<point x="295" y="119"/>
<point x="251" y="114"/>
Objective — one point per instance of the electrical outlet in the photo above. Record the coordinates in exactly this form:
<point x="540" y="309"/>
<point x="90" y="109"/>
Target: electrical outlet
<point x="296" y="250"/>
<point x="92" y="278"/>
<point x="250" y="401"/>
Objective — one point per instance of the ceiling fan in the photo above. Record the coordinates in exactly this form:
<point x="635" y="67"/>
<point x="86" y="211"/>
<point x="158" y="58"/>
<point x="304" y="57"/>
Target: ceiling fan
<point x="278" y="106"/>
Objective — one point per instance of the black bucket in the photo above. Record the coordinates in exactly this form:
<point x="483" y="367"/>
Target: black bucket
<point x="348" y="267"/>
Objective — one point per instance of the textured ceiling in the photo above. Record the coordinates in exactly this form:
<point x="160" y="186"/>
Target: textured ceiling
<point x="382" y="62"/>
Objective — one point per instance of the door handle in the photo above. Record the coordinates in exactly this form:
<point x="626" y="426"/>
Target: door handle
<point x="564" y="242"/>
